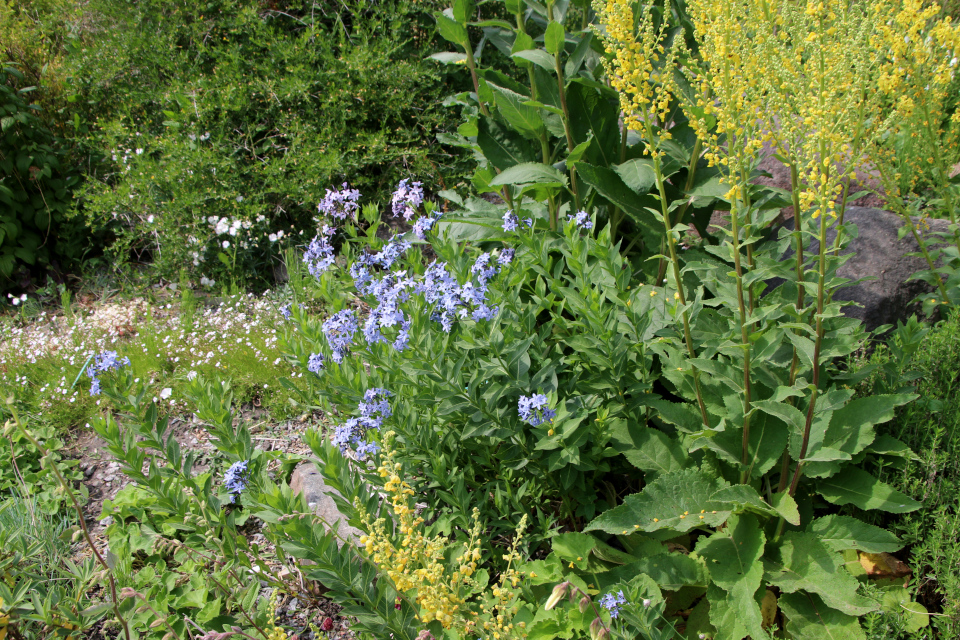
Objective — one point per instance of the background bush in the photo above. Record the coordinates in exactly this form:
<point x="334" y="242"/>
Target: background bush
<point x="178" y="112"/>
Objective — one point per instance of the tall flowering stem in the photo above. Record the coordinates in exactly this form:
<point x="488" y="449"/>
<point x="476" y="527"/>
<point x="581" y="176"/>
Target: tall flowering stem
<point x="640" y="70"/>
<point x="727" y="89"/>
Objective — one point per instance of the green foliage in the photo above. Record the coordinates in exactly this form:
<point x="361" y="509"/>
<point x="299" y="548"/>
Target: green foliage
<point x="23" y="475"/>
<point x="235" y="111"/>
<point x="929" y="427"/>
<point x="35" y="191"/>
<point x="549" y="130"/>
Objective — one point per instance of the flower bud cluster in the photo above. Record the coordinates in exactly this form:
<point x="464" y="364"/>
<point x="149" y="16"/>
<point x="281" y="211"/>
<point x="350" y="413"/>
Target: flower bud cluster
<point x="414" y="562"/>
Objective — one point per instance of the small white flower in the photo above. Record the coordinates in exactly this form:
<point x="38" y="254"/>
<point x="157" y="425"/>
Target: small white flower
<point x="272" y="237"/>
<point x="166" y="393"/>
<point x="239" y="198"/>
<point x="225" y="244"/>
<point x="191" y="375"/>
<point x="139" y="151"/>
<point x="150" y="219"/>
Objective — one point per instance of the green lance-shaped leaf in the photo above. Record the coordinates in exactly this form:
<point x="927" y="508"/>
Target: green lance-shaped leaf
<point x="648" y="449"/>
<point x="732" y="556"/>
<point x="857" y="487"/>
<point x="801" y="562"/>
<point x="808" y="618"/>
<point x="463" y="10"/>
<point x="452" y="31"/>
<point x="538" y="57"/>
<point x="553" y="37"/>
<point x="530" y="173"/>
<point x="523" y="118"/>
<point x="675" y="500"/>
<point x="609" y="185"/>
<point x="845" y="532"/>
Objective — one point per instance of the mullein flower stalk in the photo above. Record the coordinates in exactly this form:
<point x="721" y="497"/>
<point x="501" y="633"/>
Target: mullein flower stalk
<point x="817" y="75"/>
<point x="727" y="88"/>
<point x="643" y="83"/>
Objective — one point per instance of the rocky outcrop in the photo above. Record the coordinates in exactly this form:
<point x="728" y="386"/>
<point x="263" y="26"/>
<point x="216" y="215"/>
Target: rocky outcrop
<point x="881" y="258"/>
<point x="307" y="480"/>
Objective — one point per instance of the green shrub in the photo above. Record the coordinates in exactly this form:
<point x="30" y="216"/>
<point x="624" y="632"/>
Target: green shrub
<point x="931" y="427"/>
<point x="232" y="110"/>
<point x="35" y="191"/>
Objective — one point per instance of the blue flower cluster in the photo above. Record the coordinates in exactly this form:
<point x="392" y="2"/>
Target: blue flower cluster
<point x="425" y="224"/>
<point x="454" y="300"/>
<point x="319" y="254"/>
<point x="612" y="603"/>
<point x="534" y="410"/>
<point x="315" y="363"/>
<point x="373" y="411"/>
<point x="511" y="222"/>
<point x="235" y="479"/>
<point x="582" y="220"/>
<point x="340" y="204"/>
<point x="286" y="310"/>
<point x="106" y="361"/>
<point x="389" y="292"/>
<point x="407" y="198"/>
<point x="339" y="329"/>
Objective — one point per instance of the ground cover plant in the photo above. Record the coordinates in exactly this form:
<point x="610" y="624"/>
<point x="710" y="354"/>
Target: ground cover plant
<point x="543" y="421"/>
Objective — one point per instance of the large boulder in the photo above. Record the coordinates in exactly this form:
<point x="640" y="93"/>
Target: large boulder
<point x="879" y="256"/>
<point x="307" y="480"/>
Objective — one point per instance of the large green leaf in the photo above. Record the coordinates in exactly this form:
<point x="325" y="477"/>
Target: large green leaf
<point x="503" y="147"/>
<point x="851" y="430"/>
<point x="740" y="498"/>
<point x="726" y="615"/>
<point x="648" y="449"/>
<point x="732" y="556"/>
<point x="525" y="119"/>
<point x="844" y="532"/>
<point x="594" y="114"/>
<point x="530" y="173"/>
<point x="857" y="487"/>
<point x="808" y="618"/>
<point x="672" y="570"/>
<point x="801" y="562"/>
<point x="553" y="37"/>
<point x="637" y="174"/>
<point x="682" y="415"/>
<point x="678" y="500"/>
<point x="452" y="31"/>
<point x="537" y="56"/>
<point x="609" y="185"/>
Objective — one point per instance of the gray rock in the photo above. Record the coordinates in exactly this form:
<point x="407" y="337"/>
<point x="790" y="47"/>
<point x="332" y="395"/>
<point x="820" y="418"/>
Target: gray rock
<point x="880" y="256"/>
<point x="306" y="480"/>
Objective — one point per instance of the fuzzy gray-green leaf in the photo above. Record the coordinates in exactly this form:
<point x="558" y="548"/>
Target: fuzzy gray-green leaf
<point x="675" y="500"/>
<point x="857" y="487"/>
<point x="845" y="532"/>
<point x="801" y="562"/>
